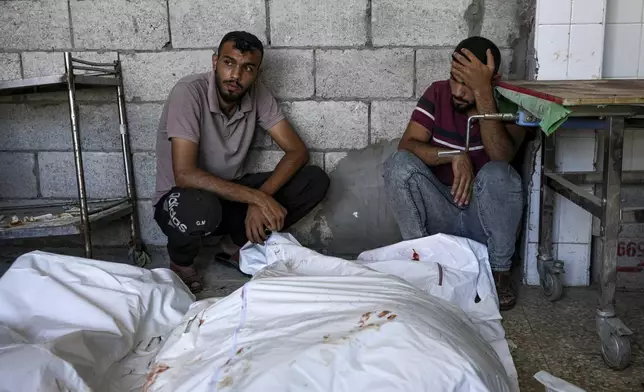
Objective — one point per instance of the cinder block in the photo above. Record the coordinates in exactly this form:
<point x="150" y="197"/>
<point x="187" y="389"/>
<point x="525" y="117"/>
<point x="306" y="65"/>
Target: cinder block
<point x="35" y="127"/>
<point x="381" y="73"/>
<point x="47" y="127"/>
<point x="332" y="125"/>
<point x="9" y="66"/>
<point x="319" y="23"/>
<point x="203" y="23"/>
<point x="18" y="175"/>
<point x="104" y="175"/>
<point x="501" y="21"/>
<point x="389" y="119"/>
<point x="151" y="76"/>
<point x="259" y="161"/>
<point x="141" y="24"/>
<point x="418" y="23"/>
<point x="432" y="65"/>
<point x="32" y="25"/>
<point x="331" y="160"/>
<point x="288" y="73"/>
<point x="143" y="121"/>
<point x="144" y="174"/>
<point x="151" y="234"/>
<point x="99" y="127"/>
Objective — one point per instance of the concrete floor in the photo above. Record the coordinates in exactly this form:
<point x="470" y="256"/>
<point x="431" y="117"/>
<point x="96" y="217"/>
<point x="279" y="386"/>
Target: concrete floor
<point x="561" y="338"/>
<point x="558" y="337"/>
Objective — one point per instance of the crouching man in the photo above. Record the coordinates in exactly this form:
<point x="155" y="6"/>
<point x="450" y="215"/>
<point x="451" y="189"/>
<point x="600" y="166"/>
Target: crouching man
<point x="206" y="130"/>
<point x="477" y="195"/>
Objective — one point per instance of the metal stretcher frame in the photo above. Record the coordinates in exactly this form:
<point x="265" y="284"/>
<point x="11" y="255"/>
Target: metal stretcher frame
<point x="607" y="106"/>
<point x="98" y="75"/>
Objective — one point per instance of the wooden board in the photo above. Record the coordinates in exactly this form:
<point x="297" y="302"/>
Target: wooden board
<point x="582" y="92"/>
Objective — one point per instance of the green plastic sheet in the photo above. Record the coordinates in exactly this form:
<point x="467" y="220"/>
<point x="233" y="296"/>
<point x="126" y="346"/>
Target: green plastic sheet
<point x="551" y="114"/>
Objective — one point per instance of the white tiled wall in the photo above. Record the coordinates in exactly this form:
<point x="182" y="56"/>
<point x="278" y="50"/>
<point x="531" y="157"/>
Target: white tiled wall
<point x="570" y="45"/>
<point x="569" y="38"/>
<point x="624" y="41"/>
<point x="624" y="59"/>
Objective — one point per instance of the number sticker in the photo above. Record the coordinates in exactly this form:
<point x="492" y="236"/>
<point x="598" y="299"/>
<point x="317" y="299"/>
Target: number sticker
<point x="630" y="248"/>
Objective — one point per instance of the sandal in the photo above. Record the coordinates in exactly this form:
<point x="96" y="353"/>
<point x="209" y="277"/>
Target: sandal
<point x="189" y="276"/>
<point x="504" y="290"/>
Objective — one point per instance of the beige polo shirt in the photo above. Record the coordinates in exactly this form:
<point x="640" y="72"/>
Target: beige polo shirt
<point x="192" y="113"/>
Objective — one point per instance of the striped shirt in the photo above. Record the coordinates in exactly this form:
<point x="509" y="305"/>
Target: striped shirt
<point x="435" y="112"/>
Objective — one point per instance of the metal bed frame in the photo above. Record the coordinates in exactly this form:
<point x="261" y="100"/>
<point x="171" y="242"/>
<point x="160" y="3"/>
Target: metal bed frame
<point x="610" y="121"/>
<point x="91" y="213"/>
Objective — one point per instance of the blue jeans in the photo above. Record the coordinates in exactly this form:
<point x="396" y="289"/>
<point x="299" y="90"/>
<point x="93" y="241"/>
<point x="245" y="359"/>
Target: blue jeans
<point x="423" y="206"/>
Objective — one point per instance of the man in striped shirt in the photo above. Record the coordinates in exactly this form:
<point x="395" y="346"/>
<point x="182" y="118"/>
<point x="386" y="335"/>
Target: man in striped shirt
<point x="477" y="195"/>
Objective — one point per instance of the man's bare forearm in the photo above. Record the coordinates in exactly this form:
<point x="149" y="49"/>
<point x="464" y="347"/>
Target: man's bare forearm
<point x="228" y="190"/>
<point x="286" y="168"/>
<point x="426" y="152"/>
<point x="496" y="139"/>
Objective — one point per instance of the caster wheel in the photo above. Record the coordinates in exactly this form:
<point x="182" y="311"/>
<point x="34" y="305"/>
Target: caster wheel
<point x="551" y="286"/>
<point x="616" y="351"/>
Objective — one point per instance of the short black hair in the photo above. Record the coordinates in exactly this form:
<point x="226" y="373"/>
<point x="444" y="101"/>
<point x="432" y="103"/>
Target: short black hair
<point x="243" y="41"/>
<point x="479" y="46"/>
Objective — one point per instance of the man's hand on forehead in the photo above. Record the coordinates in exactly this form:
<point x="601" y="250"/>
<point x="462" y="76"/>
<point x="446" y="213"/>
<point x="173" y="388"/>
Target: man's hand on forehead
<point x="468" y="69"/>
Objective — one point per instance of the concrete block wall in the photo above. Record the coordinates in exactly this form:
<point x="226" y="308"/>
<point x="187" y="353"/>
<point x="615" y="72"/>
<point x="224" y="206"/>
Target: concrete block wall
<point x="348" y="74"/>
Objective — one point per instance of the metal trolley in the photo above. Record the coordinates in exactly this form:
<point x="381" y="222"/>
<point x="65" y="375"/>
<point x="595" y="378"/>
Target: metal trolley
<point x="79" y="217"/>
<point x="607" y="106"/>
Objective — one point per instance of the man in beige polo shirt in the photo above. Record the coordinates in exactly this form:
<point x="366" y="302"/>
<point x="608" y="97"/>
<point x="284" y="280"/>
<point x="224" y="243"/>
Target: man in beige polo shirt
<point x="206" y="130"/>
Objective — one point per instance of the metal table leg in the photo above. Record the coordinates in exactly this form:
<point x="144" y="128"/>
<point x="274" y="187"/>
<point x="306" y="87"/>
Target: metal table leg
<point x="550" y="270"/>
<point x="138" y="256"/>
<point x="78" y="156"/>
<point x="614" y="335"/>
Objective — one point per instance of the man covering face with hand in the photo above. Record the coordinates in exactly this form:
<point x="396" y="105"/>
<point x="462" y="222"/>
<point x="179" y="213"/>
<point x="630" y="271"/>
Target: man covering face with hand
<point x="478" y="194"/>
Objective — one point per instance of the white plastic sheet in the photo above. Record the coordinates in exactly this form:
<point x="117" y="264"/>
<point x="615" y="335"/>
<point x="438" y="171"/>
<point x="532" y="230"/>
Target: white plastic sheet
<point x="308" y="322"/>
<point x="555" y="384"/>
<point x="74" y="324"/>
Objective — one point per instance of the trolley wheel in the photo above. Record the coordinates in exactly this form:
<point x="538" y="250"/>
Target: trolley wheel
<point x="551" y="286"/>
<point x="616" y="351"/>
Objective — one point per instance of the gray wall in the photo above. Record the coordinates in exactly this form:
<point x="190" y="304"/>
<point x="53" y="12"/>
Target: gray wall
<point x="347" y="71"/>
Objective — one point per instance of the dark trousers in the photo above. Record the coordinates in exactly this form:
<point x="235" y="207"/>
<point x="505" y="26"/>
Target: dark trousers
<point x="299" y="196"/>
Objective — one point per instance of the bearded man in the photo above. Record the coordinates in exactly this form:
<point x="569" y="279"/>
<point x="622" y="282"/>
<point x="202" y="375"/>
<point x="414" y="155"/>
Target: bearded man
<point x="205" y="132"/>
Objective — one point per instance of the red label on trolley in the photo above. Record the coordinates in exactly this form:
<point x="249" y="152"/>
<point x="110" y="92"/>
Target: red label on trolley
<point x="630" y="252"/>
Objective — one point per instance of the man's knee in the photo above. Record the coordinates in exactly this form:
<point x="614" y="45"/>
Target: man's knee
<point x="499" y="175"/>
<point x="400" y="166"/>
<point x="190" y="211"/>
<point x="318" y="181"/>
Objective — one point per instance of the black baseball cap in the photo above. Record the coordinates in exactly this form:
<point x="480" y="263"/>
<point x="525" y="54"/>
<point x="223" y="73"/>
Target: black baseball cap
<point x="191" y="211"/>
